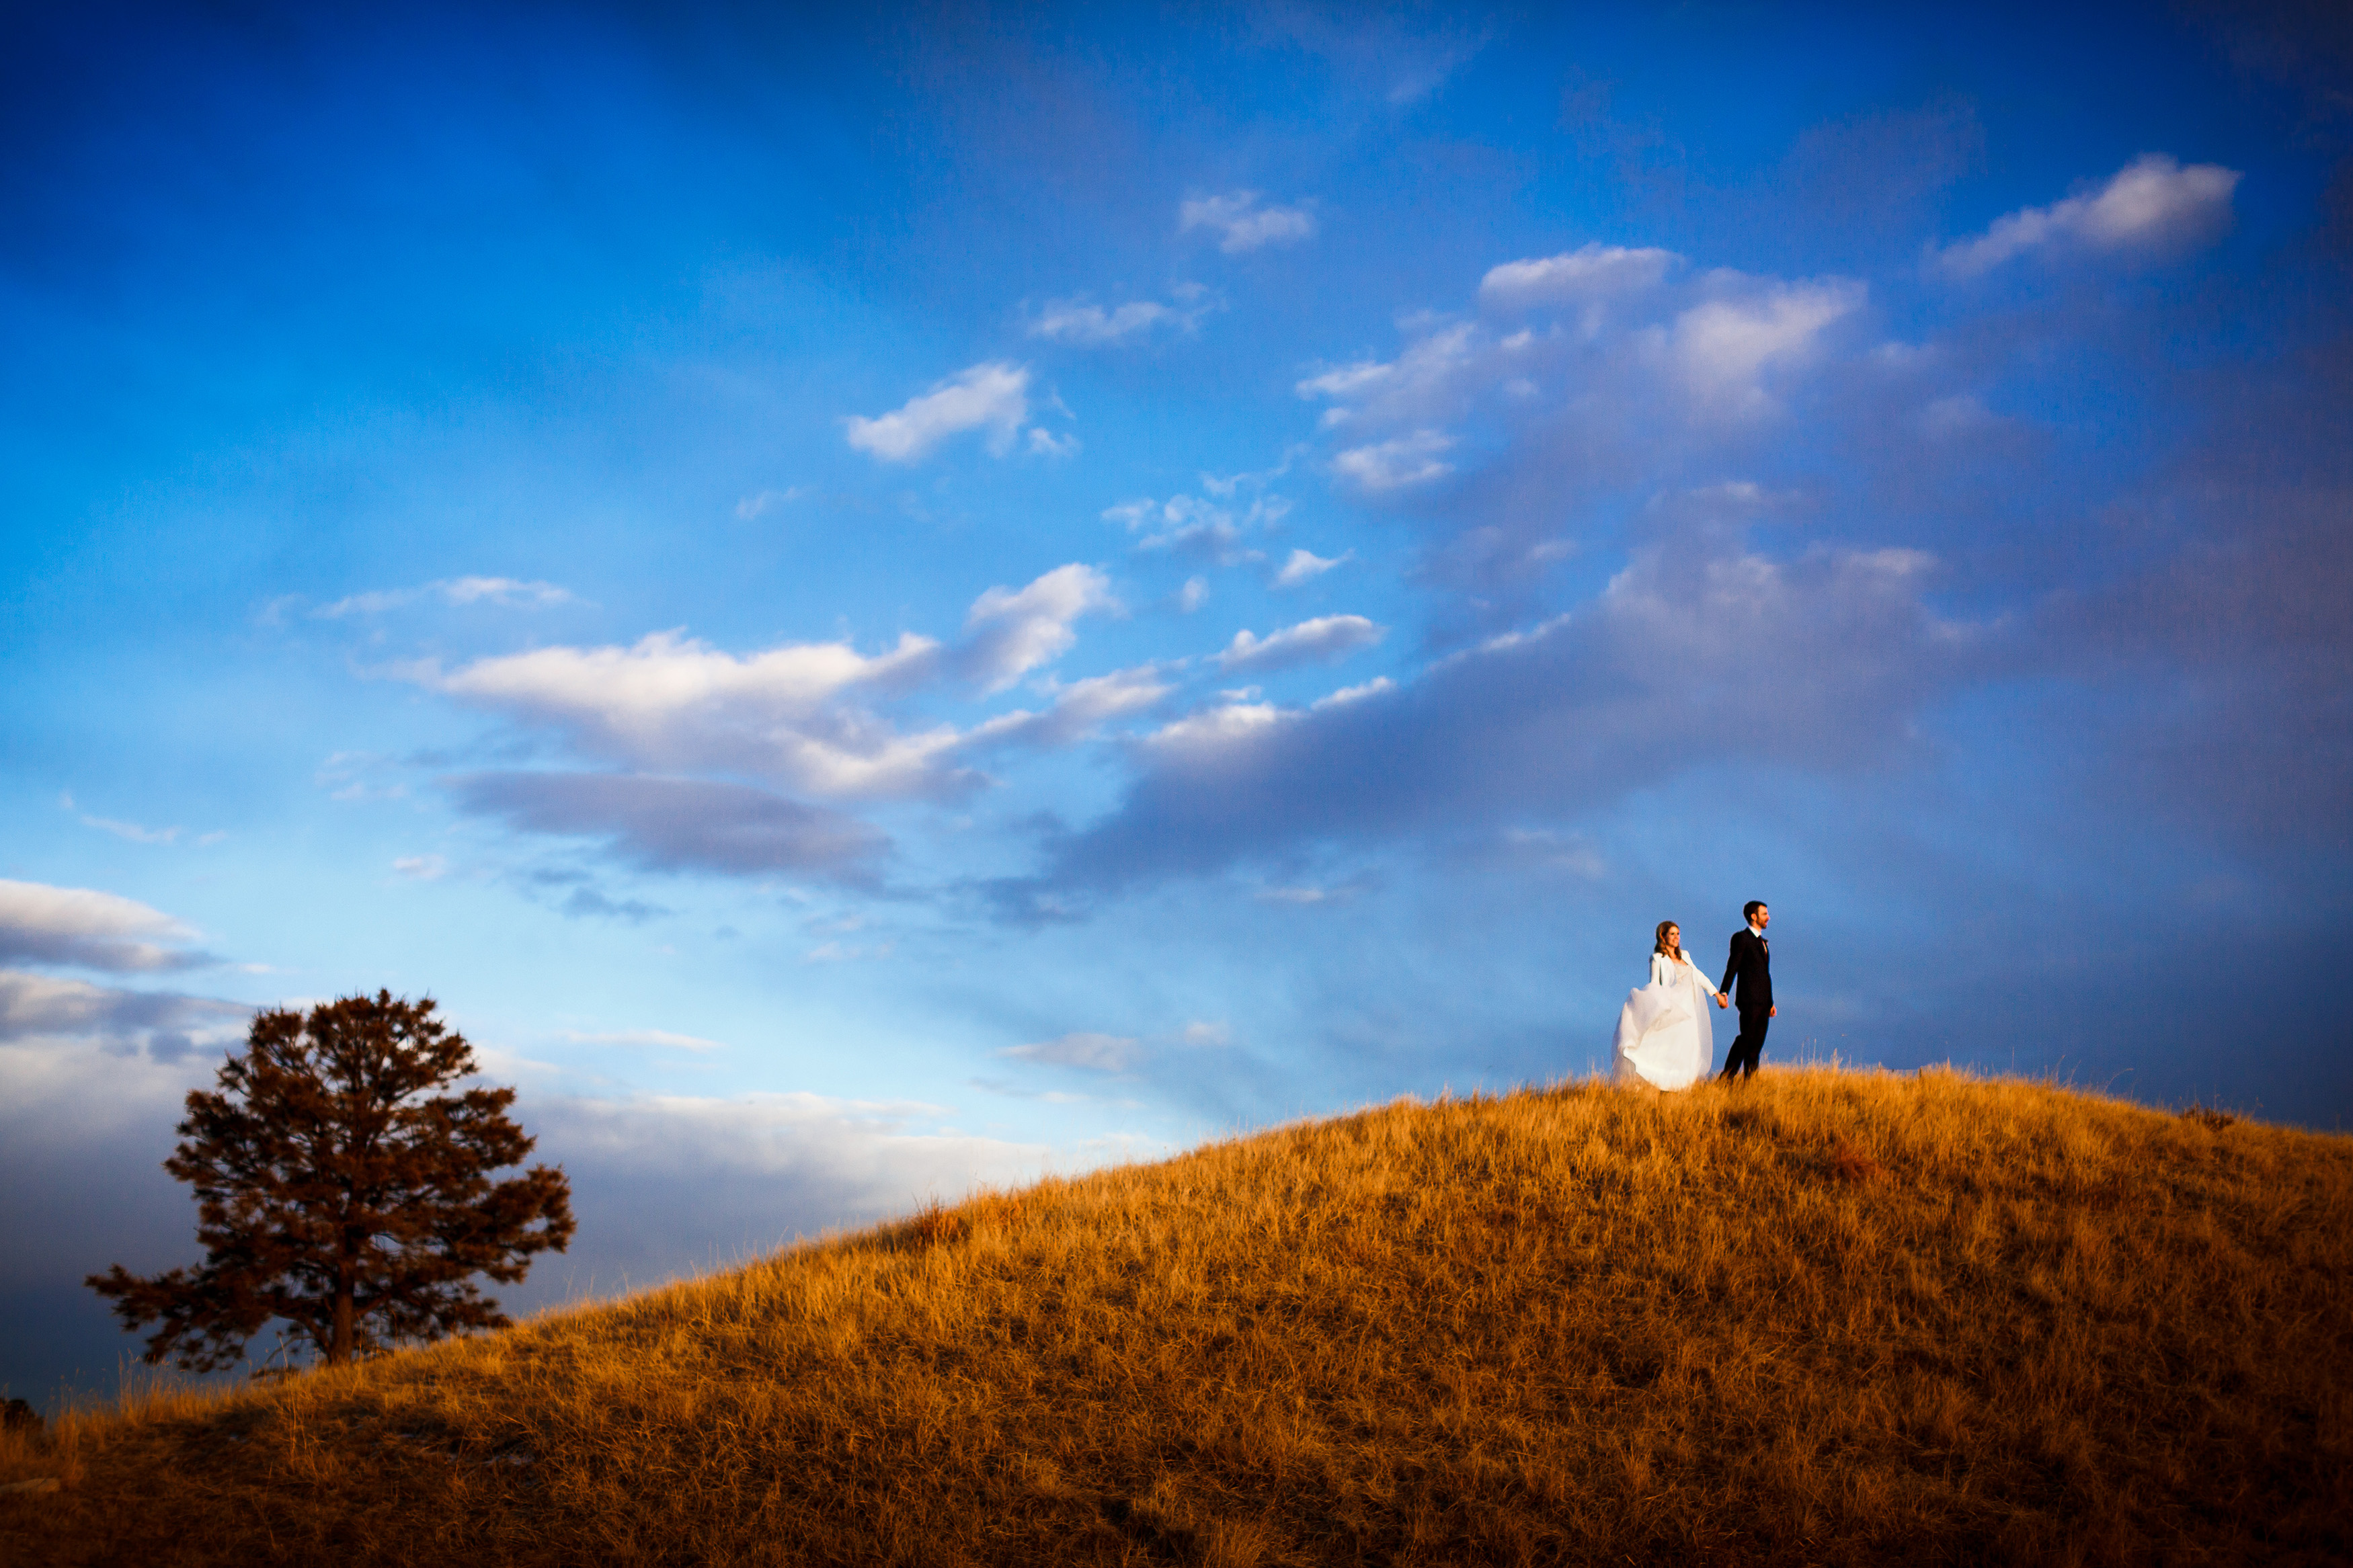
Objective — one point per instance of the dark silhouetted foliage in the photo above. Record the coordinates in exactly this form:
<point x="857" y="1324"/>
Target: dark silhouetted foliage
<point x="338" y="1191"/>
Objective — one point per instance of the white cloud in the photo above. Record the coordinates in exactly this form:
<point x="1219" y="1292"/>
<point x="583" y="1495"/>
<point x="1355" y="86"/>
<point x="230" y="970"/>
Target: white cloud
<point x="1082" y="323"/>
<point x="1306" y="897"/>
<point x="1214" y="729"/>
<point x="793" y="714"/>
<point x="1242" y="224"/>
<point x="1191" y="526"/>
<point x="1722" y="347"/>
<point x="1305" y="565"/>
<point x="84" y="927"/>
<point x="1394" y="464"/>
<point x="354" y="776"/>
<point x="421" y="867"/>
<point x="1589" y="273"/>
<point x="2151" y="201"/>
<point x="507" y="593"/>
<point x="1668" y="356"/>
<point x="650" y="1039"/>
<point x="1096" y="1053"/>
<point x="1046" y="444"/>
<point x="992" y="396"/>
<point x="1424" y="378"/>
<point x="1347" y="380"/>
<point x="1009" y="632"/>
<point x="754" y="506"/>
<point x="133" y="831"/>
<point x="1092" y="326"/>
<point x="1347" y="694"/>
<point x="1193" y="595"/>
<point x="671" y="701"/>
<point x="1077" y="709"/>
<point x="1325" y="639"/>
<point x="1227" y="487"/>
<point x="1201" y="1032"/>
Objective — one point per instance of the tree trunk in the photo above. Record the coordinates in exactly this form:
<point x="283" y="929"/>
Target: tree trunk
<point x="340" y="1350"/>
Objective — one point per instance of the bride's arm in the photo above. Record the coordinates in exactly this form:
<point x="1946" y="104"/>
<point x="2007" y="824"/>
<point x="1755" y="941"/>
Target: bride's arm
<point x="1699" y="978"/>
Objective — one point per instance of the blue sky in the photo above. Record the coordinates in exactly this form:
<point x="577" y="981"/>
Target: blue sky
<point x="877" y="604"/>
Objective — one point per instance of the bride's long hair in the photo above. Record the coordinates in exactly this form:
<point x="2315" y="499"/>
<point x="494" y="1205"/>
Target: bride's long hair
<point x="1675" y="952"/>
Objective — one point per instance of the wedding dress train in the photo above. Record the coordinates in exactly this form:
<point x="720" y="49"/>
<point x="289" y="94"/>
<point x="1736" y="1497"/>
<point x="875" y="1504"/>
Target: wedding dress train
<point x="1664" y="1040"/>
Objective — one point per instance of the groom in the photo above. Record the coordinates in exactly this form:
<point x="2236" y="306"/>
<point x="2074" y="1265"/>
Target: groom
<point x="1752" y="967"/>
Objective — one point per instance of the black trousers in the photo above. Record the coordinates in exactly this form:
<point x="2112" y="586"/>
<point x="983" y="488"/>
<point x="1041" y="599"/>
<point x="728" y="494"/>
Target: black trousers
<point x="1749" y="1043"/>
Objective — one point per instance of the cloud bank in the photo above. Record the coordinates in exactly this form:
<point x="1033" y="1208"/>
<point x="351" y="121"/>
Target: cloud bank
<point x="90" y="930"/>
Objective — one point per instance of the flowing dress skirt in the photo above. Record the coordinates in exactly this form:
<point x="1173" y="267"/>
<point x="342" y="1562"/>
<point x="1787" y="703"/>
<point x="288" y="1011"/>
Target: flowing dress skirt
<point x="1664" y="1038"/>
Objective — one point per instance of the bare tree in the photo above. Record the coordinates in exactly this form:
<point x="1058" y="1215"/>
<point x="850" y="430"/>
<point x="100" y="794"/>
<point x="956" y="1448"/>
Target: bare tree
<point x="337" y="1189"/>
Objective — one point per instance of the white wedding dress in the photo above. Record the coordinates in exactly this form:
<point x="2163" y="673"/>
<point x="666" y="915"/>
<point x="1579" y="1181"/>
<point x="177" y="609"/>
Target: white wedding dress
<point x="1664" y="1040"/>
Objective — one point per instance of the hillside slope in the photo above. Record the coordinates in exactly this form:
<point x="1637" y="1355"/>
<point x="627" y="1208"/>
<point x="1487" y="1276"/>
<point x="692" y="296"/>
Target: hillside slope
<point x="1828" y="1316"/>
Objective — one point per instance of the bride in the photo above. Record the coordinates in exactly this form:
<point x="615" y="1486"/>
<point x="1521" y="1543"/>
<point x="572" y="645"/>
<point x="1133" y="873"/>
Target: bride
<point x="1664" y="1038"/>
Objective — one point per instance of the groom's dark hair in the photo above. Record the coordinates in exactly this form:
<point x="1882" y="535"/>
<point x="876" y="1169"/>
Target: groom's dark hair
<point x="1748" y="911"/>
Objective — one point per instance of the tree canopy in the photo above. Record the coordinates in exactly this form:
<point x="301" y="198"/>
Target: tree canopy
<point x="339" y="1190"/>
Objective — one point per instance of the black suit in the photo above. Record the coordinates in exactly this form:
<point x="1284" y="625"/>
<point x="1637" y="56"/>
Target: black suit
<point x="1751" y="966"/>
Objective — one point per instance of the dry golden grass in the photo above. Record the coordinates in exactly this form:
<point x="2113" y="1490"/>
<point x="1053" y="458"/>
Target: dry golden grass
<point x="1826" y="1317"/>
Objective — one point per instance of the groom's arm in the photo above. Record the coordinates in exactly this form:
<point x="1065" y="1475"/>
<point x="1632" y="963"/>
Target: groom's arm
<point x="1732" y="964"/>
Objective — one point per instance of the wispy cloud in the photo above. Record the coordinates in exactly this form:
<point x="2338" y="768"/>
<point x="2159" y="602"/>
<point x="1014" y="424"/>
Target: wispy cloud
<point x="765" y="501"/>
<point x="1095" y="1053"/>
<point x="1305" y="565"/>
<point x="1078" y="708"/>
<point x="1082" y="323"/>
<point x="2152" y="201"/>
<point x="1325" y="639"/>
<point x="1377" y="686"/>
<point x="992" y="396"/>
<point x="1588" y="274"/>
<point x="1009" y="632"/>
<point x="133" y="832"/>
<point x="1242" y="224"/>
<point x="646" y="1039"/>
<point x="1414" y="458"/>
<point x="505" y="593"/>
<point x="1190" y="525"/>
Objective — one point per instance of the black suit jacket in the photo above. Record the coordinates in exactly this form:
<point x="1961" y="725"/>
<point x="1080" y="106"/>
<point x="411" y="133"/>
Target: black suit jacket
<point x="1752" y="965"/>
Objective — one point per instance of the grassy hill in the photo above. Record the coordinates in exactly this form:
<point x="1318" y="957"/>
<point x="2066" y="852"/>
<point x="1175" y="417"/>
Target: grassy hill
<point x="1827" y="1317"/>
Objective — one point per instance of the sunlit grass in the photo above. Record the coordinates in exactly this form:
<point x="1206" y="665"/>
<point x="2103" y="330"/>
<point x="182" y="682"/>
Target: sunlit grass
<point x="1827" y="1316"/>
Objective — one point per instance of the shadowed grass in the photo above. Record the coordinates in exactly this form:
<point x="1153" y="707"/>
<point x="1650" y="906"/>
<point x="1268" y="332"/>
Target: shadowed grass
<point x="1830" y="1315"/>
